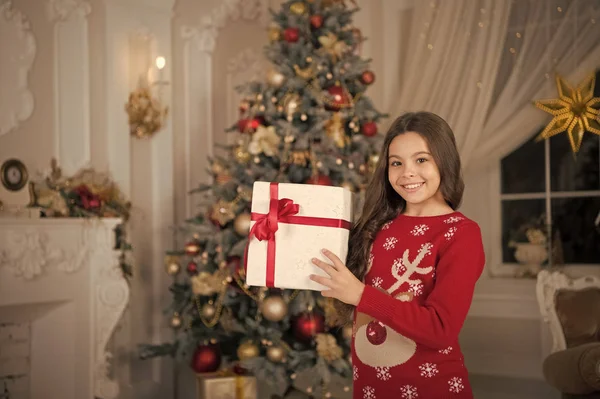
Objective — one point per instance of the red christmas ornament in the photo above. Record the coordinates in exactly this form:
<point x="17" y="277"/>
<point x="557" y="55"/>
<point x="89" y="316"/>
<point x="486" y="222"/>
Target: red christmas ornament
<point x="337" y="98"/>
<point x="291" y="35"/>
<point x="376" y="332"/>
<point x="206" y="359"/>
<point x="248" y="125"/>
<point x="192" y="268"/>
<point x="369" y="129"/>
<point x="307" y="325"/>
<point x="244" y="106"/>
<point x="316" y="21"/>
<point x="320" y="180"/>
<point x="367" y="77"/>
<point x="192" y="248"/>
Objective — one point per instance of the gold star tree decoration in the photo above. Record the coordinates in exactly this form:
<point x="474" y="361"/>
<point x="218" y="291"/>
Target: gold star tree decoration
<point x="574" y="111"/>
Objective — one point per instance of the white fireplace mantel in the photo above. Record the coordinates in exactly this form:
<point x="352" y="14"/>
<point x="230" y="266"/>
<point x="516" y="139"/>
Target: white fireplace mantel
<point x="62" y="276"/>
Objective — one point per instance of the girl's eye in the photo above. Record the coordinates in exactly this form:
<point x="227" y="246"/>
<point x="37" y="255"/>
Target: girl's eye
<point x="421" y="160"/>
<point x="395" y="163"/>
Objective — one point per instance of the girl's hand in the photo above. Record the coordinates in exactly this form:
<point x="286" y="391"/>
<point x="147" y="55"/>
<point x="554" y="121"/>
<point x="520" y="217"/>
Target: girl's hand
<point x="342" y="284"/>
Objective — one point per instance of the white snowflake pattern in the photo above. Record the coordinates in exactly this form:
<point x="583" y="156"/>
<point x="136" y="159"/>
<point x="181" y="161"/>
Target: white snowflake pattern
<point x="428" y="370"/>
<point x="426" y="248"/>
<point x="409" y="392"/>
<point x="419" y="230"/>
<point x="446" y="351"/>
<point x="386" y="226"/>
<point x="390" y="243"/>
<point x="369" y="392"/>
<point x="416" y="288"/>
<point x="456" y="385"/>
<point x="383" y="373"/>
<point x="354" y="373"/>
<point x="453" y="219"/>
<point x="376" y="282"/>
<point x="450" y="233"/>
<point x="398" y="266"/>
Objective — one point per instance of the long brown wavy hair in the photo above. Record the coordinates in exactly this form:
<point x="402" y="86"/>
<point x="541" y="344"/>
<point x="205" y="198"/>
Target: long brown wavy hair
<point x="383" y="203"/>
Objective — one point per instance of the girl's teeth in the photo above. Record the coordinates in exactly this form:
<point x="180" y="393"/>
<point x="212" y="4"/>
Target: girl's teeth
<point x="411" y="186"/>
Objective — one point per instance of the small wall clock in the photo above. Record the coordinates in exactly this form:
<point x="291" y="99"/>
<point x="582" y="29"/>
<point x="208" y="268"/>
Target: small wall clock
<point x="13" y="174"/>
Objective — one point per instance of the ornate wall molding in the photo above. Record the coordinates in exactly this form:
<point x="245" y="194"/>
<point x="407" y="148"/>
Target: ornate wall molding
<point x="72" y="127"/>
<point x="60" y="10"/>
<point x="29" y="253"/>
<point x="199" y="45"/>
<point x="206" y="34"/>
<point x="18" y="48"/>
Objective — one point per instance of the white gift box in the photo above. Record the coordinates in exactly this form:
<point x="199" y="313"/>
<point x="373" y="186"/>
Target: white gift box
<point x="299" y="237"/>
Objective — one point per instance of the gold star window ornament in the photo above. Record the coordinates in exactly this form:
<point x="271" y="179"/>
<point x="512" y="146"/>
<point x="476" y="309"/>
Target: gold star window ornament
<point x="575" y="111"/>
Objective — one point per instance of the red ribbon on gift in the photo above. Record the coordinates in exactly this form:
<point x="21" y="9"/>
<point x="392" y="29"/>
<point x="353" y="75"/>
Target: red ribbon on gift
<point x="283" y="211"/>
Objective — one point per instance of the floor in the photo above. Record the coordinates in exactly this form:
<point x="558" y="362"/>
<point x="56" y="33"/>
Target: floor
<point x="493" y="387"/>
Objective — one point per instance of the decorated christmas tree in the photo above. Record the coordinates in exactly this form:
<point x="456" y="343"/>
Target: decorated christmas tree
<point x="308" y="122"/>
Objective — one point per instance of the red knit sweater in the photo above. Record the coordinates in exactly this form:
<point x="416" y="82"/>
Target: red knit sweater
<point x="419" y="286"/>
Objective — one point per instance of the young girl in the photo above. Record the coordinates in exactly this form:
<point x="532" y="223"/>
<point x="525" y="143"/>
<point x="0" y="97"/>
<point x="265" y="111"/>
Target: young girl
<point x="412" y="266"/>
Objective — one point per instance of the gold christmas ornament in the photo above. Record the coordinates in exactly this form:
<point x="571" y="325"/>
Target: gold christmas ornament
<point x="241" y="224"/>
<point x="298" y="8"/>
<point x="241" y="154"/>
<point x="332" y="45"/>
<point x="245" y="193"/>
<point x="274" y="308"/>
<point x="300" y="158"/>
<point x="172" y="268"/>
<point x="348" y="186"/>
<point x="306" y="73"/>
<point x="222" y="212"/>
<point x="205" y="284"/>
<point x="217" y="168"/>
<point x="275" y="78"/>
<point x="291" y="102"/>
<point x="275" y="354"/>
<point x="208" y="311"/>
<point x="247" y="350"/>
<point x="328" y="348"/>
<point x="335" y="131"/>
<point x="176" y="321"/>
<point x="574" y="111"/>
<point x="274" y="34"/>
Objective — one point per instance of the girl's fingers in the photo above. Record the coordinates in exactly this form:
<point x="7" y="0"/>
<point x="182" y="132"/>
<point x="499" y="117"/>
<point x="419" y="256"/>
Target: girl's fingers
<point x="333" y="257"/>
<point x="321" y="280"/>
<point x="326" y="267"/>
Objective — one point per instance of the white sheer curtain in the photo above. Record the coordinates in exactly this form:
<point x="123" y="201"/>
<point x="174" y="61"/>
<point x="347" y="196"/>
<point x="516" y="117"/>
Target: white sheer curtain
<point x="556" y="36"/>
<point x="480" y="63"/>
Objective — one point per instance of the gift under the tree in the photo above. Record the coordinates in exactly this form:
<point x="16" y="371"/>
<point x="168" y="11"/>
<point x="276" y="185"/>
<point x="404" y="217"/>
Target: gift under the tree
<point x="226" y="384"/>
<point x="291" y="224"/>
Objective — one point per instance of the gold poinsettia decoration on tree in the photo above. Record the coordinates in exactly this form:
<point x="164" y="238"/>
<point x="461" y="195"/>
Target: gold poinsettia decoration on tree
<point x="575" y="111"/>
<point x="332" y="45"/>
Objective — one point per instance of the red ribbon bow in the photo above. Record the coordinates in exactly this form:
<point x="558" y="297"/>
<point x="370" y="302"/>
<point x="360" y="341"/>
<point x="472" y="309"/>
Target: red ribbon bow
<point x="266" y="225"/>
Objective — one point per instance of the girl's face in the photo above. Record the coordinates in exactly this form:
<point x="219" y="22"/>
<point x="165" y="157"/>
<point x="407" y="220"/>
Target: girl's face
<point x="413" y="173"/>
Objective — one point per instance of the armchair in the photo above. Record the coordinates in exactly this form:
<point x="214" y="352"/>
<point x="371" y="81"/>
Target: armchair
<point x="571" y="307"/>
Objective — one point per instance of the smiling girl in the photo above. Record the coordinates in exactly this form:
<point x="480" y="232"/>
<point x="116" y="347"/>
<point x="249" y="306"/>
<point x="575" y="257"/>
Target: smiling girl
<point x="412" y="265"/>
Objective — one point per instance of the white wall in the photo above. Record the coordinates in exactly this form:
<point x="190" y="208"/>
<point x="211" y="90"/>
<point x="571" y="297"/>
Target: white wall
<point x="82" y="72"/>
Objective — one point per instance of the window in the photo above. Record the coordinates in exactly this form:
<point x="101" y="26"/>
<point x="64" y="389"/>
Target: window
<point x="546" y="180"/>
